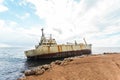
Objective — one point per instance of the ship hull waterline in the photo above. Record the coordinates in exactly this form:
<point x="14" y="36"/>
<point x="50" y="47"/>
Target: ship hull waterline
<point x="61" y="54"/>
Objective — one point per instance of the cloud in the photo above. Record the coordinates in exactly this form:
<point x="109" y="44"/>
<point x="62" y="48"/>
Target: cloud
<point x="22" y="3"/>
<point x="4" y="45"/>
<point x="68" y="18"/>
<point x="26" y="15"/>
<point x="1" y="23"/>
<point x="13" y="35"/>
<point x="60" y="17"/>
<point x="2" y="7"/>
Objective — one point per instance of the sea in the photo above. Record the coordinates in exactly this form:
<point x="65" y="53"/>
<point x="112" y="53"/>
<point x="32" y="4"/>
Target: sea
<point x="13" y="61"/>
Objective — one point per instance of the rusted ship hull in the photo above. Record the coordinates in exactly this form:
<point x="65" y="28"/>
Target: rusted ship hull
<point x="61" y="54"/>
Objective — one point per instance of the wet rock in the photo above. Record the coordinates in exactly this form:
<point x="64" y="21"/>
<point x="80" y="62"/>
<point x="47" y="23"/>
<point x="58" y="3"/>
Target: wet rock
<point x="29" y="72"/>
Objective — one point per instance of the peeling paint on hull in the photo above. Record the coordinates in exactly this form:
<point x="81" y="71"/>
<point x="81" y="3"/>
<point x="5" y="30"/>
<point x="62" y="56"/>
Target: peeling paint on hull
<point x="61" y="54"/>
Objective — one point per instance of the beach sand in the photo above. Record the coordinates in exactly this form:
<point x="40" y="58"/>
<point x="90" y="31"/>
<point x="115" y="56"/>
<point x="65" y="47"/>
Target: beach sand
<point x="91" y="67"/>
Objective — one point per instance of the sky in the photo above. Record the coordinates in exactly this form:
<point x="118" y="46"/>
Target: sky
<point x="98" y="21"/>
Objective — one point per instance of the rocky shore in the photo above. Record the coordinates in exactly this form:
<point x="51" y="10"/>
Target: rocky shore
<point x="87" y="67"/>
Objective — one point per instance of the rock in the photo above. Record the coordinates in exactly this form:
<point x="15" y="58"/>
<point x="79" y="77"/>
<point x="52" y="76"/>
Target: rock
<point x="41" y="69"/>
<point x="39" y="72"/>
<point x="64" y="63"/>
<point x="68" y="59"/>
<point x="46" y="66"/>
<point x="52" y="64"/>
<point x="29" y="72"/>
<point x="58" y="62"/>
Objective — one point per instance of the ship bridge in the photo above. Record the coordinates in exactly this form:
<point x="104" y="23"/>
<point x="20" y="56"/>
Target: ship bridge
<point x="47" y="41"/>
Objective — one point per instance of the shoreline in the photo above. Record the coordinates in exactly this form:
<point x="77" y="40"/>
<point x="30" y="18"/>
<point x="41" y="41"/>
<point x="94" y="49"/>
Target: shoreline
<point x="91" y="67"/>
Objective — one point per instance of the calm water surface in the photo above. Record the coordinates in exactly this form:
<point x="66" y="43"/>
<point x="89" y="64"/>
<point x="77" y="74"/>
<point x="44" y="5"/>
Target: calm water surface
<point x="13" y="61"/>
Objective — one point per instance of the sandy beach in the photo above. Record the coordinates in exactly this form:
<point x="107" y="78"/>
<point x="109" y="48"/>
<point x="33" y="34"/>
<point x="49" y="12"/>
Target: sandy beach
<point x="88" y="67"/>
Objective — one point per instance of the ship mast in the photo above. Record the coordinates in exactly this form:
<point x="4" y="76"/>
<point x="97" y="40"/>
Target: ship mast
<point x="42" y="32"/>
<point x="42" y="37"/>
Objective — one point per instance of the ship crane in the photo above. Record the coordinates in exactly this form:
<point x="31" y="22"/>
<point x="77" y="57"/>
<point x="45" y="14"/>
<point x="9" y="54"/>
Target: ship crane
<point x="85" y="41"/>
